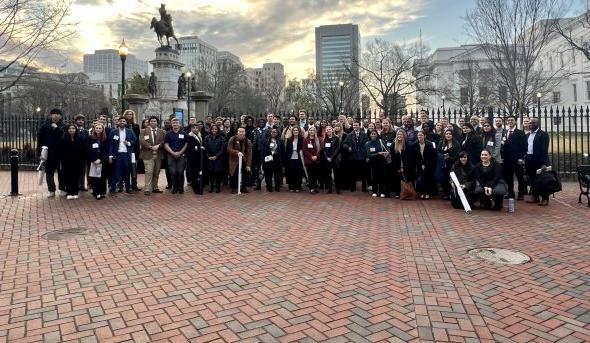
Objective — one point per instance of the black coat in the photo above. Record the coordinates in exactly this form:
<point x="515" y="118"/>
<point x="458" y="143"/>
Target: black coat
<point x="488" y="177"/>
<point x="333" y="151"/>
<point x="194" y="153"/>
<point x="356" y="147"/>
<point x="426" y="162"/>
<point x="51" y="138"/>
<point x="473" y="146"/>
<point x="215" y="146"/>
<point x="465" y="175"/>
<point x="408" y="160"/>
<point x="289" y="148"/>
<point x="514" y="148"/>
<point x="540" y="150"/>
<point x="72" y="152"/>
<point x="278" y="156"/>
<point x="99" y="151"/>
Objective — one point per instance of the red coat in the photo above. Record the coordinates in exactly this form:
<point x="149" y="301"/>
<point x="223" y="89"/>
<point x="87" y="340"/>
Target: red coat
<point x="310" y="148"/>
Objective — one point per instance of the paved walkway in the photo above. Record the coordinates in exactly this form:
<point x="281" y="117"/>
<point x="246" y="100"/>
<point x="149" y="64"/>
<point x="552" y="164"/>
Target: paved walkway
<point x="288" y="267"/>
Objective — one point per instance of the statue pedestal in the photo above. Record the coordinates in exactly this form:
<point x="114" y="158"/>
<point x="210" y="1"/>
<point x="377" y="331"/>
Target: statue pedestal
<point x="138" y="104"/>
<point x="200" y="101"/>
<point x="167" y="69"/>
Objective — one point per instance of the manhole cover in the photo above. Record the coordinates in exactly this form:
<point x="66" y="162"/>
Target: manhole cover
<point x="70" y="233"/>
<point x="501" y="256"/>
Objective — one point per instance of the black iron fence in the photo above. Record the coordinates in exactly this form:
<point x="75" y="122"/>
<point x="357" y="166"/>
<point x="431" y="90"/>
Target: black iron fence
<point x="569" y="130"/>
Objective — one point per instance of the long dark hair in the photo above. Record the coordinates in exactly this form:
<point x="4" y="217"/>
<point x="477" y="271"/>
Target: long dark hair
<point x="67" y="134"/>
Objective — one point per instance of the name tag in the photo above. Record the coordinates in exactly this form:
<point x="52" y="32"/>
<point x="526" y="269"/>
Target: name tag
<point x="272" y="145"/>
<point x="268" y="158"/>
<point x="310" y="146"/>
<point x="146" y="137"/>
<point x="434" y="145"/>
<point x="196" y="148"/>
<point x="128" y="144"/>
<point x="116" y="138"/>
<point x="328" y="145"/>
<point x="372" y="149"/>
<point x="181" y="136"/>
<point x="95" y="145"/>
<point x="388" y="144"/>
<point x="490" y="143"/>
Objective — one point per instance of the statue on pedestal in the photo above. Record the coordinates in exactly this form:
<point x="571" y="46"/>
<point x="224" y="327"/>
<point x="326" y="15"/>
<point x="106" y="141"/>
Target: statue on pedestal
<point x="152" y="85"/>
<point x="181" y="86"/>
<point x="163" y="27"/>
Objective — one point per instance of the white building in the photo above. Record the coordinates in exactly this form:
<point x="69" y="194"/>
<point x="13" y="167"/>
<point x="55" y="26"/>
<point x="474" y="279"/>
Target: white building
<point x="197" y="55"/>
<point x="270" y="75"/>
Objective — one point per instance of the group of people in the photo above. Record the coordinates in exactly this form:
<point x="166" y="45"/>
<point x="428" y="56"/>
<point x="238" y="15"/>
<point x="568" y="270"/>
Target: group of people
<point x="331" y="156"/>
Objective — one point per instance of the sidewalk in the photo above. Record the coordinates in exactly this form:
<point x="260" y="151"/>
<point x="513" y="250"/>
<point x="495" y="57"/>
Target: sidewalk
<point x="268" y="267"/>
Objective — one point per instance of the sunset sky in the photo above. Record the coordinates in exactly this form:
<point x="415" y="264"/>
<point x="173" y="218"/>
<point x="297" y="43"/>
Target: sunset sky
<point x="259" y="30"/>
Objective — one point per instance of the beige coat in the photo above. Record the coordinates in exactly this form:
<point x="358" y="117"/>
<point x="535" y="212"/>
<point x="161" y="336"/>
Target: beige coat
<point x="146" y="143"/>
<point x="233" y="147"/>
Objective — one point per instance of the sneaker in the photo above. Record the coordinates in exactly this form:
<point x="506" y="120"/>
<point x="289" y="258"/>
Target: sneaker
<point x="374" y="195"/>
<point x="70" y="197"/>
<point x="75" y="197"/>
<point x="62" y="193"/>
<point x="51" y="194"/>
<point x="370" y="188"/>
<point x="382" y="195"/>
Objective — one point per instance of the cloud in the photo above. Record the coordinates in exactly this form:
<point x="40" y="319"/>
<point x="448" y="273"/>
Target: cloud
<point x="255" y="30"/>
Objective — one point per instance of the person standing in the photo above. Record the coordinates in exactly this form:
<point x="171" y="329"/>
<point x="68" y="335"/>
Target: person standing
<point x="130" y="118"/>
<point x="72" y="160"/>
<point x="259" y="138"/>
<point x="151" y="141"/>
<point x="403" y="161"/>
<point x="514" y="148"/>
<point x="489" y="142"/>
<point x="332" y="159"/>
<point x="355" y="145"/>
<point x="49" y="136"/>
<point x="83" y="134"/>
<point x="537" y="157"/>
<point x="294" y="167"/>
<point x="311" y="157"/>
<point x="214" y="147"/>
<point x="175" y="144"/>
<point x="98" y="155"/>
<point x="448" y="149"/>
<point x="471" y="143"/>
<point x="239" y="147"/>
<point x="303" y="124"/>
<point x="273" y="156"/>
<point x="376" y="152"/>
<point x="196" y="160"/>
<point x="425" y="153"/>
<point x="121" y="142"/>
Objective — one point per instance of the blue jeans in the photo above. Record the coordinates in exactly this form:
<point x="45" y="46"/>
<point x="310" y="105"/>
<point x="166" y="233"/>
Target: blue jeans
<point x="121" y="171"/>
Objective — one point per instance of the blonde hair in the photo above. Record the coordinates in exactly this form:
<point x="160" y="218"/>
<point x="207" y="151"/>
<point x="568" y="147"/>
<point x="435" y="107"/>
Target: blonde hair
<point x="399" y="147"/>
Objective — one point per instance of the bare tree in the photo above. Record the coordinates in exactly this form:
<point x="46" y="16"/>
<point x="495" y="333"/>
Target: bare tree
<point x="512" y="34"/>
<point x="273" y="90"/>
<point x="387" y="72"/>
<point x="301" y="94"/>
<point x="579" y="41"/>
<point x="28" y="27"/>
<point x="225" y="86"/>
<point x="337" y="91"/>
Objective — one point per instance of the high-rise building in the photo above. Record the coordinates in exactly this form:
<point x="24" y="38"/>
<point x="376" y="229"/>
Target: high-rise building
<point x="336" y="47"/>
<point x="270" y="75"/>
<point x="103" y="67"/>
<point x="226" y="61"/>
<point x="197" y="55"/>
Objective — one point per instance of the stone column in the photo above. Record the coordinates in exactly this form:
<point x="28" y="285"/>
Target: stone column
<point x="201" y="104"/>
<point x="167" y="69"/>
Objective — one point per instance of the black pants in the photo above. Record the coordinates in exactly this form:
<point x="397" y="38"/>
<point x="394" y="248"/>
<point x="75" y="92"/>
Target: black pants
<point x="326" y="171"/>
<point x="377" y="167"/>
<point x="358" y="171"/>
<point x="176" y="167"/>
<point x="272" y="170"/>
<point x="312" y="174"/>
<point x="294" y="174"/>
<point x="233" y="180"/>
<point x="215" y="180"/>
<point x="72" y="174"/>
<point x="446" y="185"/>
<point x="50" y="179"/>
<point x="508" y="171"/>
<point x="99" y="184"/>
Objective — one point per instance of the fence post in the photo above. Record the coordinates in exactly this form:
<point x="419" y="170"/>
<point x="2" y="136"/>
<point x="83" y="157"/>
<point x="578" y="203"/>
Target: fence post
<point x="13" y="172"/>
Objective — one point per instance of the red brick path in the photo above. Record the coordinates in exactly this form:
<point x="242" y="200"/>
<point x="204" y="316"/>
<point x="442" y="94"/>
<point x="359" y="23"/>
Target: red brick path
<point x="289" y="268"/>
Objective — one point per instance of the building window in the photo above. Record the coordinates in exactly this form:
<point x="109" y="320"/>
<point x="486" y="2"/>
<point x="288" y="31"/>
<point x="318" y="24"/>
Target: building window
<point x="587" y="90"/>
<point x="573" y="55"/>
<point x="575" y="89"/>
<point x="551" y="63"/>
<point x="561" y="59"/>
<point x="464" y="96"/>
<point x="556" y="97"/>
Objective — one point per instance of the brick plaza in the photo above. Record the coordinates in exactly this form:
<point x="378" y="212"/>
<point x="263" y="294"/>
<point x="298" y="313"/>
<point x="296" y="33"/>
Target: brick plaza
<point x="284" y="267"/>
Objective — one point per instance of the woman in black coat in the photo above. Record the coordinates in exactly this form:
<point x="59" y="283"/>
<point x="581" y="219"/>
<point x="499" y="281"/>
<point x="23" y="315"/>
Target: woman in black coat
<point x="331" y="160"/>
<point x="471" y="143"/>
<point x="215" y="148"/>
<point x="273" y="159"/>
<point x="72" y="159"/>
<point x="196" y="160"/>
<point x="293" y="161"/>
<point x="403" y="161"/>
<point x="466" y="176"/>
<point x="98" y="157"/>
<point x="489" y="185"/>
<point x="425" y="153"/>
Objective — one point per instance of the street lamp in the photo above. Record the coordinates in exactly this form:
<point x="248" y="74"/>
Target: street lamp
<point x="341" y="84"/>
<point x="443" y="99"/>
<point x="539" y="103"/>
<point x="188" y="76"/>
<point x="123" y="52"/>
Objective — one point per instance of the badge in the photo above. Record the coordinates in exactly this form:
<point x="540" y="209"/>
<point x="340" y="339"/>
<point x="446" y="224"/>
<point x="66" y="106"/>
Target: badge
<point x="268" y="158"/>
<point x="310" y="146"/>
<point x="328" y="145"/>
<point x="146" y="137"/>
<point x="95" y="145"/>
<point x="181" y="136"/>
<point x="388" y="144"/>
<point x="372" y="149"/>
<point x="116" y="138"/>
<point x="490" y="143"/>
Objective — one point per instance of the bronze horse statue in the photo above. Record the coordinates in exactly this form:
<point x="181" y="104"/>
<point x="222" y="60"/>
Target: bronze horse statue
<point x="163" y="29"/>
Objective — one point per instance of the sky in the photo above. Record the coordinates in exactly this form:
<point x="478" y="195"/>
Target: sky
<point x="260" y="30"/>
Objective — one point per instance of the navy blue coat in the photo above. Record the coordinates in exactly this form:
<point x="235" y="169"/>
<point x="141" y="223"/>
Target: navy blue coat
<point x="114" y="143"/>
<point x="215" y="146"/>
<point x="51" y="138"/>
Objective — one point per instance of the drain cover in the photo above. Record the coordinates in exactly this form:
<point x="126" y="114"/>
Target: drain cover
<point x="70" y="233"/>
<point x="500" y="256"/>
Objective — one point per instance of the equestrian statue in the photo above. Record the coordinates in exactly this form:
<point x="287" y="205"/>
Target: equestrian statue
<point x="163" y="27"/>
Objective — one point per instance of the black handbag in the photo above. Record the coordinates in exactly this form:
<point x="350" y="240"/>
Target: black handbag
<point x="547" y="182"/>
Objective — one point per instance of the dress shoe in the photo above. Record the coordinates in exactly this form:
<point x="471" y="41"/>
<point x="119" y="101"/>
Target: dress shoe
<point x="533" y="200"/>
<point x="147" y="193"/>
<point x="157" y="191"/>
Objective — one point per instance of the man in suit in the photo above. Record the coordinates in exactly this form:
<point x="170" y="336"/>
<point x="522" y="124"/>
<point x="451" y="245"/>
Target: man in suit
<point x="130" y="117"/>
<point x="303" y="124"/>
<point x="151" y="141"/>
<point x="355" y="145"/>
<point x="239" y="147"/>
<point x="50" y="135"/>
<point x="121" y="142"/>
<point x="474" y="121"/>
<point x="514" y="148"/>
<point x="537" y="157"/>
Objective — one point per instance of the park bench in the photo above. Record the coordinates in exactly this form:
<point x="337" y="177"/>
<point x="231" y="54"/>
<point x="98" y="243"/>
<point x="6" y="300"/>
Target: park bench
<point x="583" y="172"/>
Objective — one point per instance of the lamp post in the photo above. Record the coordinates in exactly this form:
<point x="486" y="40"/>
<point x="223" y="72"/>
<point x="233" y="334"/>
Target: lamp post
<point x="123" y="51"/>
<point x="539" y="103"/>
<point x="341" y="84"/>
<point x="443" y="99"/>
<point x="188" y="76"/>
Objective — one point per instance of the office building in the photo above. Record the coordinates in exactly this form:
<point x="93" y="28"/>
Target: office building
<point x="197" y="55"/>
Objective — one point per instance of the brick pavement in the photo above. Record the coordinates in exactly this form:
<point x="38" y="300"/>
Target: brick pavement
<point x="283" y="267"/>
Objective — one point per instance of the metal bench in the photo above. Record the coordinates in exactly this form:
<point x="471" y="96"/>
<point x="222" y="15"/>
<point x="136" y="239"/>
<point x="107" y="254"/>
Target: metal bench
<point x="584" y="181"/>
